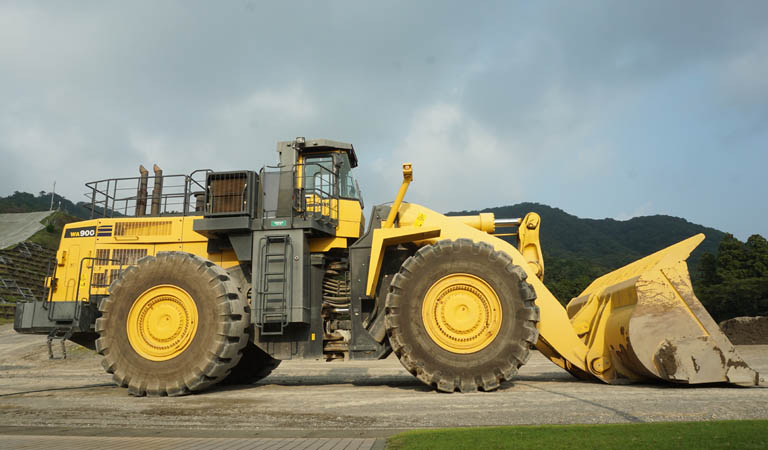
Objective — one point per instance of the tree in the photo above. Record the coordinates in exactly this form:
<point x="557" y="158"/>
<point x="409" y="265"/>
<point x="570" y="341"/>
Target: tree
<point x="708" y="269"/>
<point x="757" y="254"/>
<point x="566" y="278"/>
<point x="732" y="259"/>
<point x="735" y="281"/>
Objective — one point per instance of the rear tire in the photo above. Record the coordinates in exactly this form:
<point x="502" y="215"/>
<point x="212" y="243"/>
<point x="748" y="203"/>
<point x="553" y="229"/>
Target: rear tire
<point x="437" y="341"/>
<point x="208" y="325"/>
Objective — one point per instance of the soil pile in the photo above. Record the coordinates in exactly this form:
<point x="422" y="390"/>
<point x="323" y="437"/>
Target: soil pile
<point x="746" y="330"/>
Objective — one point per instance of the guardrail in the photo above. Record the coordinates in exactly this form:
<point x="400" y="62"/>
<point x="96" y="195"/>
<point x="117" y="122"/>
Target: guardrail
<point x="128" y="197"/>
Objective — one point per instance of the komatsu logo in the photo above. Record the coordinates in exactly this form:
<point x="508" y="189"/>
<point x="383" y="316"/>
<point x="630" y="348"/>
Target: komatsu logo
<point x="81" y="232"/>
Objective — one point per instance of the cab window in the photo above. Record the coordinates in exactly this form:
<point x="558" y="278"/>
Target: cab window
<point x="318" y="175"/>
<point x="348" y="187"/>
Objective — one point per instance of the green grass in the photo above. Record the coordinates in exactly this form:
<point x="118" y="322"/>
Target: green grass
<point x="744" y="434"/>
<point x="50" y="236"/>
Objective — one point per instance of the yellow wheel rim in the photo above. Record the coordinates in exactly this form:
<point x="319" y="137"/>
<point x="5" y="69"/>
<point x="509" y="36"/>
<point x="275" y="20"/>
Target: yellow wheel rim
<point x="462" y="313"/>
<point x="162" y="322"/>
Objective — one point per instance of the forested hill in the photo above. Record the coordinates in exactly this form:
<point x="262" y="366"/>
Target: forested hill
<point x="20" y="202"/>
<point x="730" y="277"/>
<point x="577" y="250"/>
<point x="607" y="242"/>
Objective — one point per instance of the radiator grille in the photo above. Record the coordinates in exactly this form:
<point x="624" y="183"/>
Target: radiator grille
<point x="156" y="228"/>
<point x="102" y="257"/>
<point x="99" y="280"/>
<point x="128" y="257"/>
<point x="114" y="274"/>
<point x="227" y="193"/>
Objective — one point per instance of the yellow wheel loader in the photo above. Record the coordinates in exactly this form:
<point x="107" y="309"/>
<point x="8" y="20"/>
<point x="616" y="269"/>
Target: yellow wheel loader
<point x="229" y="273"/>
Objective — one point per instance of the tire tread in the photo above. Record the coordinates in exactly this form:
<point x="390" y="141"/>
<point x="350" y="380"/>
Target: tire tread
<point x="526" y="317"/>
<point x="232" y="322"/>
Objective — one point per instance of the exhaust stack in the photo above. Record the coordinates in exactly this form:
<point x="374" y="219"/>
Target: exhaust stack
<point x="157" y="190"/>
<point x="141" y="194"/>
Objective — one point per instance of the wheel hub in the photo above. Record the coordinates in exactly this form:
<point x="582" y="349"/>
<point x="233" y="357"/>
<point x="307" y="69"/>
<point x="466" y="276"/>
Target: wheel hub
<point x="462" y="313"/>
<point x="162" y="322"/>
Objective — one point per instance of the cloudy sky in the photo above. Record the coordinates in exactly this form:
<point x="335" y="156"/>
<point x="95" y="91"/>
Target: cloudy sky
<point x="601" y="108"/>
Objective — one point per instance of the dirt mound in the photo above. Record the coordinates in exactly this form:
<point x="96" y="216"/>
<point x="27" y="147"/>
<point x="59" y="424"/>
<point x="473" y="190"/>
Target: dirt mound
<point x="746" y="330"/>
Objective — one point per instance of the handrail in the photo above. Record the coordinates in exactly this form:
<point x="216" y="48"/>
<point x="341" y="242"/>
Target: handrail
<point x="78" y="301"/>
<point x="111" y="196"/>
<point x="318" y="201"/>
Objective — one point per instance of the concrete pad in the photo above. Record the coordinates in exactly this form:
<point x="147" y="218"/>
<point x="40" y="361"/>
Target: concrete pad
<point x="357" y="399"/>
<point x="18" y="227"/>
<point x="155" y="443"/>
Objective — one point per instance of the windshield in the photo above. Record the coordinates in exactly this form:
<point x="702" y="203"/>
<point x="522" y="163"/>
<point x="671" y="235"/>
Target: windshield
<point x="318" y="173"/>
<point x="348" y="188"/>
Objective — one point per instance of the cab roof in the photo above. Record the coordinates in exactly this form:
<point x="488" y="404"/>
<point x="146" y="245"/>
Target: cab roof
<point x="325" y="145"/>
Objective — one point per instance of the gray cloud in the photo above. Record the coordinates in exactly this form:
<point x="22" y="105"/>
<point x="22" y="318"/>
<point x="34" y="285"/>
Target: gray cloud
<point x="601" y="108"/>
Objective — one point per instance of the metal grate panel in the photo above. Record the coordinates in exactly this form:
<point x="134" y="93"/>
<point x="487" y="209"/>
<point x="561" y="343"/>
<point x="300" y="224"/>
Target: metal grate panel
<point x="102" y="257"/>
<point x="130" y="256"/>
<point x="154" y="228"/>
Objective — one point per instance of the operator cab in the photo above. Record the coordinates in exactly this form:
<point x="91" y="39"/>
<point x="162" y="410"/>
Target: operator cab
<point x="311" y="188"/>
<point x="323" y="167"/>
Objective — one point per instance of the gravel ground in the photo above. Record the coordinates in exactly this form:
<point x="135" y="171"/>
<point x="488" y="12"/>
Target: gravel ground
<point x="303" y="397"/>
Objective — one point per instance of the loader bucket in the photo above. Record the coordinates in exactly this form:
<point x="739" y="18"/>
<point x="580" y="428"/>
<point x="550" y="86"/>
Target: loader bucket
<point x="643" y="322"/>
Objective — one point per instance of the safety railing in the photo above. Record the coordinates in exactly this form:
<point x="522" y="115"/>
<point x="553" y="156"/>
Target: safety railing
<point x="94" y="283"/>
<point x="315" y="193"/>
<point x="148" y="195"/>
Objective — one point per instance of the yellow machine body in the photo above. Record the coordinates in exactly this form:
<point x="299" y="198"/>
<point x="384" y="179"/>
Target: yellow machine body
<point x="92" y="252"/>
<point x="348" y="212"/>
<point x="644" y="321"/>
<point x="348" y="229"/>
<point x="640" y="322"/>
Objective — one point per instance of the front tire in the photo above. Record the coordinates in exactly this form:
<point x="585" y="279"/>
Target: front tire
<point x="173" y="324"/>
<point x="460" y="316"/>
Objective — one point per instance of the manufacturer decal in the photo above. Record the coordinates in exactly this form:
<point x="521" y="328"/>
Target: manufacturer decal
<point x="82" y="232"/>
